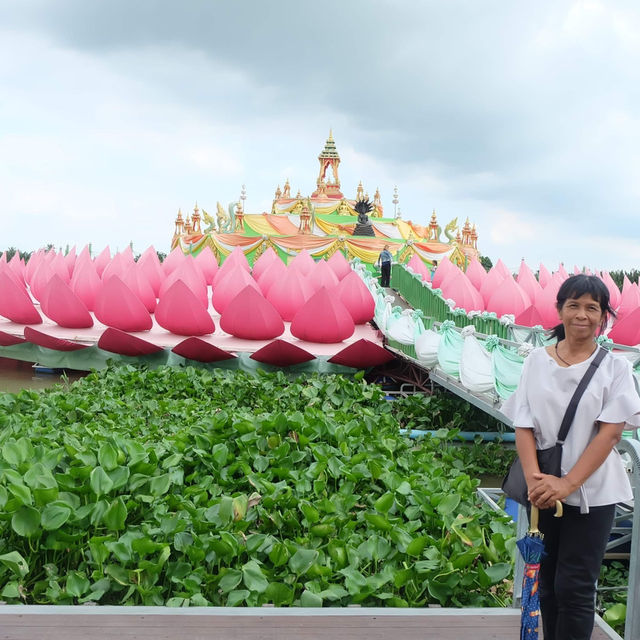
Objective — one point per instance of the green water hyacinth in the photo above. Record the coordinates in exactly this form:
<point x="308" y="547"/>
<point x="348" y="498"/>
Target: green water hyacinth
<point x="188" y="487"/>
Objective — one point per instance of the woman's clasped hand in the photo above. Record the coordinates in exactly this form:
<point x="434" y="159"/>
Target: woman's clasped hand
<point x="545" y="489"/>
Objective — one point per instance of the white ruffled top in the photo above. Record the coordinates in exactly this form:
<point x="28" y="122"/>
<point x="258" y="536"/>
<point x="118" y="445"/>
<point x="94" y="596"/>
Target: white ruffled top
<point x="540" y="402"/>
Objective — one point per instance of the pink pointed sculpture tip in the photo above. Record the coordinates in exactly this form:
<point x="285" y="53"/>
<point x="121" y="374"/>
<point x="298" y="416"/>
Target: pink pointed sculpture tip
<point x="323" y="319"/>
<point x="250" y="316"/>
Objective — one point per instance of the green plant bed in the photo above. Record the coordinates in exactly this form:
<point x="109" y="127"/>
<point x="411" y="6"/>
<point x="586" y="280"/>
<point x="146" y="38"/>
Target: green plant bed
<point x="188" y="487"/>
<point x="443" y="409"/>
<point x="612" y="593"/>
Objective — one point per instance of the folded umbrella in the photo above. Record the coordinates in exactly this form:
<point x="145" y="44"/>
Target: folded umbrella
<point x="532" y="549"/>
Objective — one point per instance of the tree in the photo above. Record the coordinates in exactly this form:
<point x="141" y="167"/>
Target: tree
<point x="485" y="261"/>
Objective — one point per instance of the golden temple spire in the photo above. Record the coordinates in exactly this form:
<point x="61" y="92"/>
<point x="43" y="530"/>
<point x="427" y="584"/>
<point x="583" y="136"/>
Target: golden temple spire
<point x="329" y="150"/>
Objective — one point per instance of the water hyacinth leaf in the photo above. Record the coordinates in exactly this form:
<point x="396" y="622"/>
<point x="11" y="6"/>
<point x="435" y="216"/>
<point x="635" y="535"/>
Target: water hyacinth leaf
<point x="159" y="485"/>
<point x="253" y="577"/>
<point x="116" y="515"/>
<point x="301" y="561"/>
<point x="77" y="584"/>
<point x="279" y="554"/>
<point x="240" y="504"/>
<point x="463" y="560"/>
<point x="615" y="614"/>
<point x="145" y="546"/>
<point x="101" y="484"/>
<point x="417" y="546"/>
<point x="496" y="572"/>
<point x="384" y="502"/>
<point x="448" y="504"/>
<point x="308" y="599"/>
<point x="119" y="476"/>
<point x="54" y="515"/>
<point x="309" y="512"/>
<point x="26" y="521"/>
<point x="11" y="590"/>
<point x="15" y="452"/>
<point x="119" y="574"/>
<point x="354" y="580"/>
<point x="230" y="580"/>
<point x="198" y="600"/>
<point x="237" y="597"/>
<point x="220" y="452"/>
<point x="108" y="456"/>
<point x="404" y="488"/>
<point x="21" y="493"/>
<point x="333" y="592"/>
<point x="279" y="594"/>
<point x="378" y="521"/>
<point x="15" y="562"/>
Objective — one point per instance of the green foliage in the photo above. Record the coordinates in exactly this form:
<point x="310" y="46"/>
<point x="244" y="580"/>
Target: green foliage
<point x="186" y="487"/>
<point x="486" y="262"/>
<point x="612" y="594"/>
<point x="11" y="251"/>
<point x="443" y="410"/>
<point x="618" y="276"/>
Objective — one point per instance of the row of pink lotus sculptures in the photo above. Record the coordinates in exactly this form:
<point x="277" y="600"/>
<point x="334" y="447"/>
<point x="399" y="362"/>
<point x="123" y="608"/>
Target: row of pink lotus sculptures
<point x="323" y="301"/>
<point x="530" y="300"/>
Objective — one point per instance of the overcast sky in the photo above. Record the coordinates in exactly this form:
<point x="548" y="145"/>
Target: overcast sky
<point x="522" y="116"/>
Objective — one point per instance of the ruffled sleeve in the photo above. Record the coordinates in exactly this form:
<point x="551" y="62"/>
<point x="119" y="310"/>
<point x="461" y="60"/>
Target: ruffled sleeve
<point x="516" y="407"/>
<point x="621" y="401"/>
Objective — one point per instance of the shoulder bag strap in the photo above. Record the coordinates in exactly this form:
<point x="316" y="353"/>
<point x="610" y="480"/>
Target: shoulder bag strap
<point x="573" y="404"/>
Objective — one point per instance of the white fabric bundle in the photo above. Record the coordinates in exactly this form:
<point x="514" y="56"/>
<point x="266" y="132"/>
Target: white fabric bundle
<point x="402" y="329"/>
<point x="426" y="346"/>
<point x="475" y="365"/>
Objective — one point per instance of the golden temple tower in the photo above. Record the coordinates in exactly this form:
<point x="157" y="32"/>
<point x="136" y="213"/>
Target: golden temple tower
<point x="329" y="160"/>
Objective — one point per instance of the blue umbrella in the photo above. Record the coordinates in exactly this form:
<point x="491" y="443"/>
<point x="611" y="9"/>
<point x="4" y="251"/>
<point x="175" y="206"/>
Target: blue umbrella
<point x="532" y="549"/>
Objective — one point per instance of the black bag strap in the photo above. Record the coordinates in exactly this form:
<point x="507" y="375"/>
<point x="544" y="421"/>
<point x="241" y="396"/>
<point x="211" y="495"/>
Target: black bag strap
<point x="575" y="399"/>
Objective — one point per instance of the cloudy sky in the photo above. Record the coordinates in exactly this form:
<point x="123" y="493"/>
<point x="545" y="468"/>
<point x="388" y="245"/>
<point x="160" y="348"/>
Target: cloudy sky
<point x="521" y="116"/>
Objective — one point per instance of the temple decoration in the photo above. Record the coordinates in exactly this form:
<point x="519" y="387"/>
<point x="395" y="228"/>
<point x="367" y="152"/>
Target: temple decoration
<point x="322" y="223"/>
<point x="305" y="220"/>
<point x="395" y="202"/>
<point x="329" y="160"/>
<point x="195" y="220"/>
<point x="364" y="226"/>
<point x="179" y="224"/>
<point x="239" y="218"/>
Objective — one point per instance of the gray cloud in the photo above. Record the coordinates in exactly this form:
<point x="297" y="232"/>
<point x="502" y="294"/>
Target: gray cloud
<point x="501" y="104"/>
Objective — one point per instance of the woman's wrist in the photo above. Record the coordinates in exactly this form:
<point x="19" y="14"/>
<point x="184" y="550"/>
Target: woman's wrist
<point x="572" y="484"/>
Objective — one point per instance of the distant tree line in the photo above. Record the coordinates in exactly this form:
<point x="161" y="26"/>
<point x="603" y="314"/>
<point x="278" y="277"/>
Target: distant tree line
<point x="618" y="276"/>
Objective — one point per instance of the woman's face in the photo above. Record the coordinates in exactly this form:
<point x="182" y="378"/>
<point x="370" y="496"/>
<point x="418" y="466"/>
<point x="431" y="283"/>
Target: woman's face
<point x="581" y="316"/>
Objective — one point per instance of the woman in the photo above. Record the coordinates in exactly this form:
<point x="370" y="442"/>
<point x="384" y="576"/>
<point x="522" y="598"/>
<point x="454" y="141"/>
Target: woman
<point x="593" y="478"/>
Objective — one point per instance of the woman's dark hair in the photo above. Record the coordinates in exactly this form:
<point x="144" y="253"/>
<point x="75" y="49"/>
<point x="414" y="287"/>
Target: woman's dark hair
<point x="577" y="286"/>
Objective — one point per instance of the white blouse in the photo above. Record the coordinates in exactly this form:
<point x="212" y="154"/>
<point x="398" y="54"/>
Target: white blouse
<point x="540" y="402"/>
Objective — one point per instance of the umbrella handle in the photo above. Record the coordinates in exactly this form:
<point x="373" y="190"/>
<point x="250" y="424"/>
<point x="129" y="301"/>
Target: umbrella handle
<point x="533" y="528"/>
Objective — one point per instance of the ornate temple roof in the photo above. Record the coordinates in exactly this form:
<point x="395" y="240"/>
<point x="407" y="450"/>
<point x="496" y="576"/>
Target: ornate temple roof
<point x="329" y="150"/>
